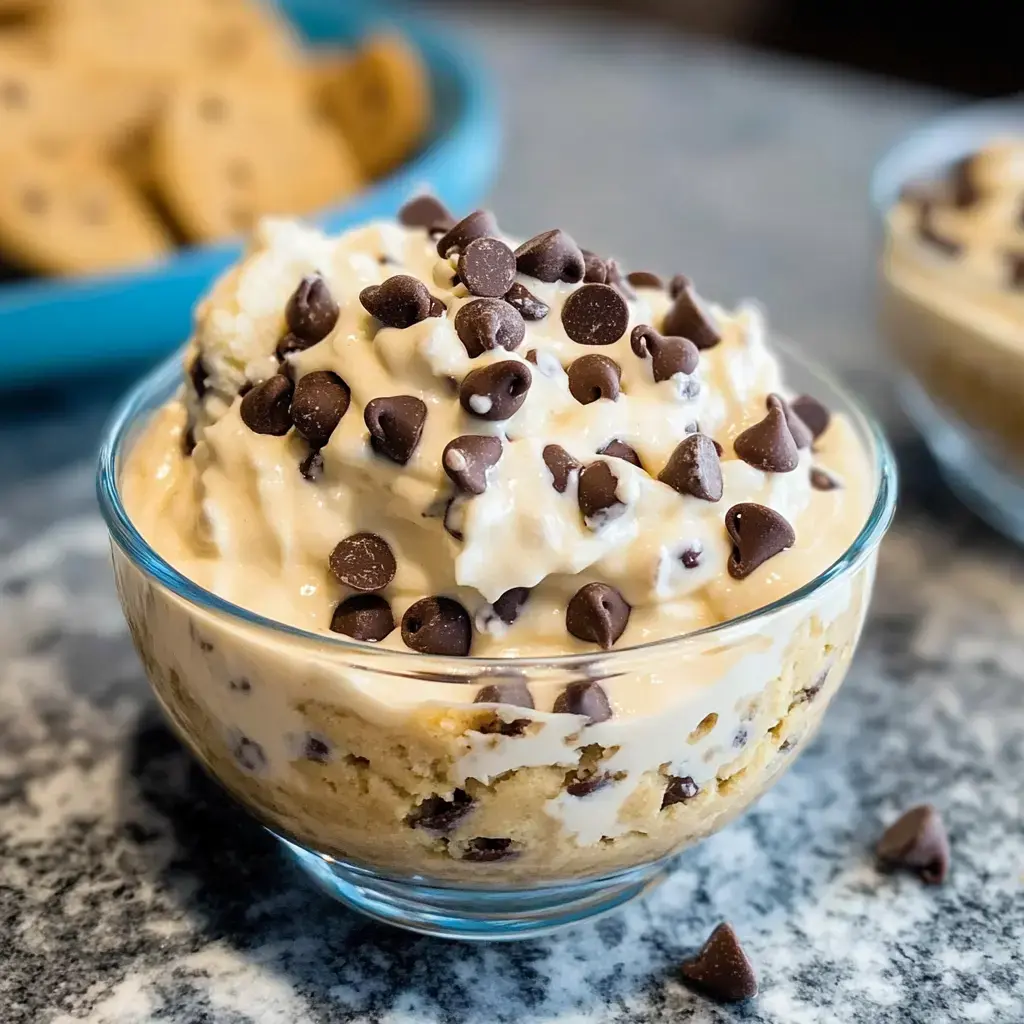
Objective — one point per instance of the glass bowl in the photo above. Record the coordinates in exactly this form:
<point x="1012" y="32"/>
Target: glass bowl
<point x="957" y="344"/>
<point x="415" y="789"/>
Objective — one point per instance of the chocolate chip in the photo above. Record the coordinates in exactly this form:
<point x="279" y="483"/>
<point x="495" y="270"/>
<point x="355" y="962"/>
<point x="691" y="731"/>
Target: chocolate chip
<point x="197" y="374"/>
<point x="669" y="356"/>
<point x="454" y="516"/>
<point x="425" y="212"/>
<point x="927" y="232"/>
<point x="363" y="617"/>
<point x="961" y="179"/>
<point x="808" y="693"/>
<point x="363" y="561"/>
<point x="188" y="441"/>
<point x="311" y="312"/>
<point x="400" y="301"/>
<point x="483" y="850"/>
<point x="435" y="814"/>
<point x="802" y="436"/>
<point x="595" y="270"/>
<point x="620" y="450"/>
<point x="511" y="691"/>
<point x="242" y="685"/>
<point x="312" y="466"/>
<point x="466" y="460"/>
<point x="687" y="318"/>
<point x="815" y="415"/>
<point x="721" y="969"/>
<point x="438" y="625"/>
<point x="769" y="445"/>
<point x="316" y="749"/>
<point x="585" y="698"/>
<point x="595" y="314"/>
<point x="321" y="399"/>
<point x="486" y="324"/>
<point x="561" y="465"/>
<point x="644" y="279"/>
<point x="917" y="841"/>
<point x="551" y="256"/>
<point x="487" y="267"/>
<point x="680" y="788"/>
<point x="592" y="377"/>
<point x="249" y="754"/>
<point x="509" y="604"/>
<point x="437" y="307"/>
<point x="691" y="556"/>
<point x="678" y="284"/>
<point x="597" y="613"/>
<point x="587" y="784"/>
<point x="822" y="480"/>
<point x="526" y="303"/>
<point x="496" y="391"/>
<point x="479" y="224"/>
<point x="757" y="533"/>
<point x="694" y="469"/>
<point x="264" y="409"/>
<point x="289" y="344"/>
<point x="596" y="495"/>
<point x="395" y="425"/>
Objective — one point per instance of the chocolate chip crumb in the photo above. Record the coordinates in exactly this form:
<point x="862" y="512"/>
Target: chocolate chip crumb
<point x="249" y="754"/>
<point x="680" y="788"/>
<point x="363" y="617"/>
<point x="757" y="533"/>
<point x="597" y="613"/>
<point x="363" y="562"/>
<point x="584" y="698"/>
<point x="721" y="970"/>
<point x="917" y="841"/>
<point x="583" y="785"/>
<point x="691" y="556"/>
<point x="435" y="814"/>
<point x="526" y="303"/>
<point x="312" y="466"/>
<point x="484" y="850"/>
<point x="438" y="625"/>
<point x="316" y="749"/>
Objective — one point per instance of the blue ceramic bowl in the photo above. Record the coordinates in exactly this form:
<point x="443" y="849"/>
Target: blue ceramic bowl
<point x="50" y="326"/>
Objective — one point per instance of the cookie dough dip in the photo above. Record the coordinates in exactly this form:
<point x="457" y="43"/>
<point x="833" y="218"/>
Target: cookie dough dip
<point x="483" y="565"/>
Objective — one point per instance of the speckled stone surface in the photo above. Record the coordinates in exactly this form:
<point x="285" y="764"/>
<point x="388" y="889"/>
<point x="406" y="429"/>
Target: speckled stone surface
<point x="132" y="891"/>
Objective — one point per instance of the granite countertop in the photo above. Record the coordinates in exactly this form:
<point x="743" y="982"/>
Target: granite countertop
<point x="131" y="890"/>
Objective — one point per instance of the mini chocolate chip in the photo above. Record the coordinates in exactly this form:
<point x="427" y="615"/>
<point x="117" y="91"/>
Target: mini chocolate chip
<point x="644" y="279"/>
<point x="486" y="324"/>
<point x="596" y="494"/>
<point x="400" y="301"/>
<point x="680" y="788"/>
<point x="592" y="377"/>
<point x="311" y="312"/>
<point x="510" y="604"/>
<point x="620" y="450"/>
<point x="395" y="426"/>
<point x="757" y="533"/>
<point x="595" y="314"/>
<point x="466" y="460"/>
<point x="678" y="284"/>
<point x="669" y="356"/>
<point x="917" y="841"/>
<point x="435" y="814"/>
<point x="249" y="754"/>
<point x="438" y="625"/>
<point x="597" y="613"/>
<point x="815" y="415"/>
<point x="487" y="267"/>
<point x="363" y="561"/>
<point x="526" y="303"/>
<point x="694" y="469"/>
<point x="496" y="391"/>
<point x="561" y="465"/>
<point x="687" y="318"/>
<point x="587" y="784"/>
<point x="316" y="749"/>
<point x="769" y="445"/>
<point x="927" y="232"/>
<point x="197" y="374"/>
<point x="822" y="480"/>
<point x="509" y="691"/>
<point x="551" y="256"/>
<point x="721" y="969"/>
<point x="264" y="409"/>
<point x="321" y="399"/>
<point x="312" y="466"/>
<point x="802" y="435"/>
<point x="691" y="556"/>
<point x="585" y="698"/>
<point x="425" y="212"/>
<point x="479" y="224"/>
<point x="484" y="850"/>
<point x="363" y="617"/>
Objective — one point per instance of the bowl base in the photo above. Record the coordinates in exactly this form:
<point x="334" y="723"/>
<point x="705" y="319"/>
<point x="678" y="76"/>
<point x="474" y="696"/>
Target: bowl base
<point x="473" y="915"/>
<point x="985" y="484"/>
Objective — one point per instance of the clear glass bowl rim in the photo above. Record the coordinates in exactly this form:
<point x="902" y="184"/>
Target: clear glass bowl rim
<point x="162" y="382"/>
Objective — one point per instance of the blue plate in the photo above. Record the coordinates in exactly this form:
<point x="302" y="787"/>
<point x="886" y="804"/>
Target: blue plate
<point x="65" y="326"/>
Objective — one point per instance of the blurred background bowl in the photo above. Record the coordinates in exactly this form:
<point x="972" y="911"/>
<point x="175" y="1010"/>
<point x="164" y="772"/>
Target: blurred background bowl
<point x="62" y="327"/>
